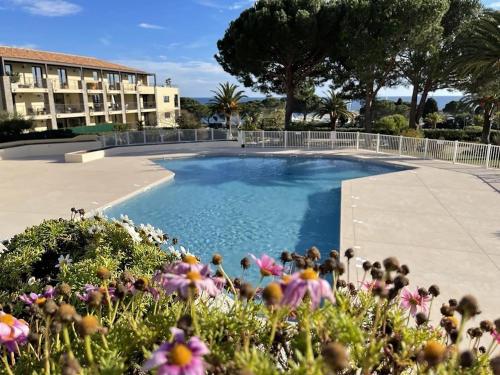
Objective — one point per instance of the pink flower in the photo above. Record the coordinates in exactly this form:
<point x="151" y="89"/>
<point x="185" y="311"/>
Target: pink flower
<point x="307" y="281"/>
<point x="496" y="335"/>
<point x="88" y="288"/>
<point x="414" y="301"/>
<point x="197" y="277"/>
<point x="268" y="266"/>
<point x="38" y="299"/>
<point x="370" y="285"/>
<point x="13" y="332"/>
<point x="179" y="357"/>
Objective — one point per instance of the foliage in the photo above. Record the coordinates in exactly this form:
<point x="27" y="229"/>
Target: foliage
<point x="455" y="107"/>
<point x="382" y="108"/>
<point x="227" y="101"/>
<point x="195" y="107"/>
<point x="334" y="106"/>
<point x="413" y="133"/>
<point x="306" y="101"/>
<point x="430" y="106"/>
<point x="123" y="322"/>
<point x="469" y="134"/>
<point x="36" y="252"/>
<point x="276" y="46"/>
<point x="434" y="118"/>
<point x="48" y="134"/>
<point x="12" y="125"/>
<point x="392" y="125"/>
<point x="187" y="120"/>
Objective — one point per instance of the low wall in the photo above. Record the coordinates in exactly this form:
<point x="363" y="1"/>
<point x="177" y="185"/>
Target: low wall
<point x="84" y="156"/>
<point x="46" y="149"/>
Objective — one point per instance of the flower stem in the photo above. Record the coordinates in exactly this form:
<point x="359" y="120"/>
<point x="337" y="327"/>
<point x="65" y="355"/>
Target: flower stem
<point x="229" y="281"/>
<point x="88" y="350"/>
<point x="46" y="348"/>
<point x="67" y="342"/>
<point x="6" y="364"/>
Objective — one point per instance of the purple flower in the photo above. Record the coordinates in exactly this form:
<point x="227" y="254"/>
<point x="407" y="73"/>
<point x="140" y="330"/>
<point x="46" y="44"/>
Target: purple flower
<point x="32" y="298"/>
<point x="13" y="332"/>
<point x="414" y="301"/>
<point x="268" y="266"/>
<point x="179" y="357"/>
<point x="180" y="282"/>
<point x="308" y="282"/>
<point x="88" y="288"/>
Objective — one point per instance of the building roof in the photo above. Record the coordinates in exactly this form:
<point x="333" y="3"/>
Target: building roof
<point x="56" y="58"/>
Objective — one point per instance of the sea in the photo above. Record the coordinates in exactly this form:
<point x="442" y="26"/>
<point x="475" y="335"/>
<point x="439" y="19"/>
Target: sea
<point x="441" y="100"/>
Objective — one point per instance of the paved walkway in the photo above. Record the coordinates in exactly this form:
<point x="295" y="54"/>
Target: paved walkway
<point x="441" y="219"/>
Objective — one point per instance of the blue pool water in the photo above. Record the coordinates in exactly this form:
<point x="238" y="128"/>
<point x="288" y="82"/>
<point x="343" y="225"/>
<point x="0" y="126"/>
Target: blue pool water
<point x="236" y="206"/>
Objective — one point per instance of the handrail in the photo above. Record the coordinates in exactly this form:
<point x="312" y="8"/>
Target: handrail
<point x="456" y="152"/>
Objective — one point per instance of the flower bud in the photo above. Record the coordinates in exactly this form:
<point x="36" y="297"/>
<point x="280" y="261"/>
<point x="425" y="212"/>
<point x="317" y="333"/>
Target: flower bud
<point x="217" y="259"/>
<point x="335" y="356"/>
<point x="272" y="294"/>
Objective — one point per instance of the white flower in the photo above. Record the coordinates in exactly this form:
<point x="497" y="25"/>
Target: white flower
<point x="126" y="219"/>
<point x="100" y="215"/>
<point x="94" y="229"/>
<point x="64" y="261"/>
<point x="31" y="280"/>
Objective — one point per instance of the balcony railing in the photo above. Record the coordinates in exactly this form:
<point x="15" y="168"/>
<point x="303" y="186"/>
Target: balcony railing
<point x="69" y="108"/>
<point x="96" y="107"/>
<point x="115" y="107"/>
<point x="130" y="106"/>
<point x="33" y="110"/>
<point x="22" y="82"/>
<point x="129" y="87"/>
<point x="72" y="84"/>
<point x="114" y="86"/>
<point x="93" y="85"/>
<point x="148" y="105"/>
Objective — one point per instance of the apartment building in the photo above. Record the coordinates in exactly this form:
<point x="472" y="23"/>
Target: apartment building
<point x="57" y="90"/>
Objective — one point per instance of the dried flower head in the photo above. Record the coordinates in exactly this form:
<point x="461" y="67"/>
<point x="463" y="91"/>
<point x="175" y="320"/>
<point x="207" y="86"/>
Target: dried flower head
<point x="335" y="356"/>
<point x="64" y="289"/>
<point x="467" y="359"/>
<point x="272" y="294"/>
<point x="434" y="290"/>
<point x="391" y="264"/>
<point x="367" y="265"/>
<point x="217" y="259"/>
<point x="434" y="353"/>
<point x="349" y="253"/>
<point x="88" y="325"/>
<point x="66" y="312"/>
<point x="286" y="257"/>
<point x="103" y="273"/>
<point x="313" y="253"/>
<point x="245" y="263"/>
<point x="468" y="306"/>
<point x="247" y="291"/>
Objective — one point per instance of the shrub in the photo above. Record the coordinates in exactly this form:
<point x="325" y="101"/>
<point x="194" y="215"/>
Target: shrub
<point x="187" y="319"/>
<point x="187" y="120"/>
<point x="392" y="125"/>
<point x="469" y="134"/>
<point x="414" y="133"/>
<point x="13" y="125"/>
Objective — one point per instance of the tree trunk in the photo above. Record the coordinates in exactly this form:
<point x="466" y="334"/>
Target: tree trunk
<point x="368" y="112"/>
<point x="485" y="136"/>
<point x="413" y="108"/>
<point x="333" y="122"/>
<point x="423" y="99"/>
<point x="290" y="97"/>
<point x="228" y="123"/>
<point x="305" y="116"/>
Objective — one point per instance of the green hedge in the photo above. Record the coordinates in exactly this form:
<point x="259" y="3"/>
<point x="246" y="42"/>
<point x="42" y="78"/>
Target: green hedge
<point x="470" y="134"/>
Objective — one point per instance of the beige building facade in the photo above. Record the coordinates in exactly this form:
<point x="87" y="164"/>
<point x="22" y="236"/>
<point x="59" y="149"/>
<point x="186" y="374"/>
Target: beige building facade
<point x="57" y="90"/>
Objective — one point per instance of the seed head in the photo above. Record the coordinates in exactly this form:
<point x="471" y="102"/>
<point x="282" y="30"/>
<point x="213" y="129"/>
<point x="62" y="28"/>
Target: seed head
<point x="341" y="283"/>
<point x="447" y="310"/>
<point x="286" y="257"/>
<point x="497" y="325"/>
<point x="300" y="263"/>
<point x="141" y="284"/>
<point x="247" y="291"/>
<point x="185" y="323"/>
<point x="335" y="356"/>
<point x="245" y="263"/>
<point x="272" y="294"/>
<point x="66" y="312"/>
<point x="377" y="265"/>
<point x="434" y="353"/>
<point x="329" y="265"/>
<point x="88" y="325"/>
<point x="121" y="291"/>
<point x="313" y="253"/>
<point x="103" y="273"/>
<point x="340" y="268"/>
<point x="50" y="307"/>
<point x="95" y="298"/>
<point x="349" y="253"/>
<point x="468" y="306"/>
<point x="217" y="259"/>
<point x="487" y="325"/>
<point x="467" y="359"/>
<point x="64" y="289"/>
<point x="367" y="266"/>
<point x="334" y="254"/>
<point x="421" y="318"/>
<point x="434" y="290"/>
<point x="453" y="302"/>
<point x="400" y="282"/>
<point x="495" y="365"/>
<point x="391" y="264"/>
<point x="377" y="273"/>
<point x="404" y="269"/>
<point x="70" y="365"/>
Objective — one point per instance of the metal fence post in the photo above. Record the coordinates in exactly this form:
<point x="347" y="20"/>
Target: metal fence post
<point x="308" y="139"/>
<point x="212" y="133"/>
<point x="333" y="136"/>
<point x="400" y="144"/>
<point x="357" y="140"/>
<point x="196" y="135"/>
<point x="488" y="155"/>
<point x="455" y="149"/>
<point x="144" y="136"/>
<point x="285" y="134"/>
<point x="378" y="143"/>
<point x="426" y="147"/>
<point x="178" y="135"/>
<point x="262" y="136"/>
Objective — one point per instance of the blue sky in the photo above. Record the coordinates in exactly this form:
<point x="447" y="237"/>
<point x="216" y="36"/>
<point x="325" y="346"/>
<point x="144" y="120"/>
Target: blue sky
<point x="174" y="38"/>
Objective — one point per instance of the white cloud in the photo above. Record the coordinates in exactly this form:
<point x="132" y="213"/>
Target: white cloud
<point x="22" y="45"/>
<point x="494" y="5"/>
<point x="48" y="8"/>
<point x="145" y="25"/>
<point x="195" y="78"/>
<point x="232" y="6"/>
<point x="105" y="40"/>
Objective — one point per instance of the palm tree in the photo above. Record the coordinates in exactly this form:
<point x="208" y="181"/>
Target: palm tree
<point x="479" y="46"/>
<point x="434" y="118"/>
<point x="334" y="106"/>
<point x="227" y="100"/>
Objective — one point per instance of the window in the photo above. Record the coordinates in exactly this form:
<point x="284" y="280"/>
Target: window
<point x="95" y="75"/>
<point x="176" y="100"/>
<point x="8" y="69"/>
<point x="131" y="78"/>
<point x="37" y="76"/>
<point x="63" y="78"/>
<point x="166" y="99"/>
<point x="167" y="115"/>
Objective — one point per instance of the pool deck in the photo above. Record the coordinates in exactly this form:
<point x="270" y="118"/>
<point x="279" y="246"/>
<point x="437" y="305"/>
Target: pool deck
<point x="441" y="219"/>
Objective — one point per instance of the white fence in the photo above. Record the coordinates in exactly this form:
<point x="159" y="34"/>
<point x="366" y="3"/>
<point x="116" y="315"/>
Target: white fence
<point x="155" y="136"/>
<point x="487" y="156"/>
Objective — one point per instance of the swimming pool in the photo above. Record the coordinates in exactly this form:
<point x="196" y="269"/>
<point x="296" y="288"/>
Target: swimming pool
<point x="241" y="205"/>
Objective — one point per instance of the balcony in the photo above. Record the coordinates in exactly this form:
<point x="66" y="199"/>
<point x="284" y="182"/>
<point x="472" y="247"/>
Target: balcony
<point x="145" y="89"/>
<point x="114" y="87"/>
<point x="69" y="110"/>
<point x="115" y="107"/>
<point x="27" y="84"/>
<point x="36" y="112"/>
<point x="131" y="106"/>
<point x="148" y="106"/>
<point x="67" y="86"/>
<point x="96" y="108"/>
<point x="93" y="86"/>
<point x="130" y="87"/>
